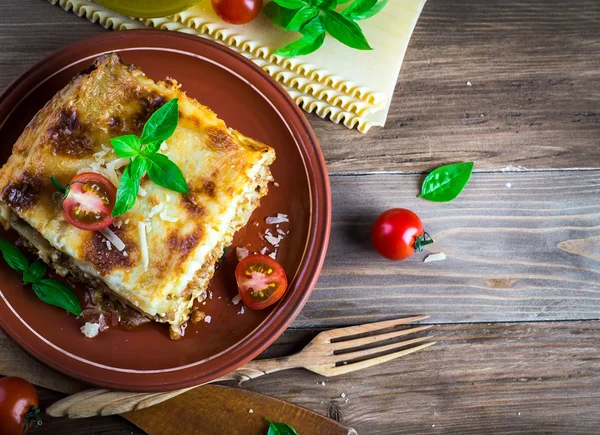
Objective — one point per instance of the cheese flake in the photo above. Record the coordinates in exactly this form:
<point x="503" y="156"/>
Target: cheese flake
<point x="143" y="244"/>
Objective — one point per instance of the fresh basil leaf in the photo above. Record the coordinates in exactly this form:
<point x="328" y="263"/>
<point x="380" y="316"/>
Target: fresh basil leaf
<point x="162" y="123"/>
<point x="13" y="256"/>
<point x="36" y="271"/>
<point x="165" y="173"/>
<point x="327" y="4"/>
<point x="279" y="15"/>
<point x="345" y="31"/>
<point x="291" y="4"/>
<point x="126" y="146"/>
<point x="278" y="428"/>
<point x="129" y="185"/>
<point x="152" y="148"/>
<point x="58" y="294"/>
<point x="303" y="46"/>
<point x="301" y="17"/>
<point x="363" y="9"/>
<point x="445" y="183"/>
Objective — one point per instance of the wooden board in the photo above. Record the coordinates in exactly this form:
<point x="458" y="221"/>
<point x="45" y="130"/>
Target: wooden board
<point x="482" y="378"/>
<point x="525" y="252"/>
<point x="533" y="100"/>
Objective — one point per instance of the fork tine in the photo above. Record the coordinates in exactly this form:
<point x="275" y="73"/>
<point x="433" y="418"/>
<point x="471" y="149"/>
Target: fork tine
<point x="325" y="337"/>
<point x="348" y="344"/>
<point x="341" y="370"/>
<point x="366" y="352"/>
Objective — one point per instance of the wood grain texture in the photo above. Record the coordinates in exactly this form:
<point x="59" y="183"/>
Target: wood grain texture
<point x="527" y="378"/>
<point x="534" y="66"/>
<point x="520" y="253"/>
<point x="541" y="378"/>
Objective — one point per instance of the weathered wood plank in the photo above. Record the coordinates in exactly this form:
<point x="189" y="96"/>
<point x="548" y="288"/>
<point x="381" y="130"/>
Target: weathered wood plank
<point x="530" y="251"/>
<point x="503" y="379"/>
<point x="480" y="379"/>
<point x="534" y="66"/>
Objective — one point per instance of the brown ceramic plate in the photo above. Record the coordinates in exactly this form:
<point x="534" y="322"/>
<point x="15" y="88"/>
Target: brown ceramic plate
<point x="249" y="101"/>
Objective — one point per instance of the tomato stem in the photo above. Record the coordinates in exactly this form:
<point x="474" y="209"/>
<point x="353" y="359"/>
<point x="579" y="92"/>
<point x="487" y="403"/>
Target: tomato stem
<point x="422" y="241"/>
<point x="59" y="186"/>
<point x="32" y="419"/>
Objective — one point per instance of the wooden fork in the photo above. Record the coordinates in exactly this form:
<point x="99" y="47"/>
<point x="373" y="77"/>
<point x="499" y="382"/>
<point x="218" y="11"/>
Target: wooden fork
<point x="331" y="353"/>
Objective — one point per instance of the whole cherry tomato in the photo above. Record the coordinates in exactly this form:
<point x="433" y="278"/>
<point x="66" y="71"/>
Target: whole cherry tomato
<point x="19" y="406"/>
<point x="261" y="281"/>
<point x="398" y="233"/>
<point x="88" y="201"/>
<point x="237" y="11"/>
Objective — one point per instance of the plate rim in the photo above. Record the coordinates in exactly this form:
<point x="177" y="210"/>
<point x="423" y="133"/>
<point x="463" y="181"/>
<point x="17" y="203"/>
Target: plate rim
<point x="318" y="233"/>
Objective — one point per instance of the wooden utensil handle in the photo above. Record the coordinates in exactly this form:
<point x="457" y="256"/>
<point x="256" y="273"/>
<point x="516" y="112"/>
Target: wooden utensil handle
<point x="94" y="402"/>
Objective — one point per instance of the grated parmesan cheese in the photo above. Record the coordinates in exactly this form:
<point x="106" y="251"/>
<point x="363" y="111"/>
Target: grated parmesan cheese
<point x="143" y="244"/>
<point x="273" y="255"/>
<point x="264" y="250"/>
<point x="207" y="319"/>
<point x="155" y="210"/>
<point x="142" y="191"/>
<point x="236" y="299"/>
<point x="113" y="238"/>
<point x="117" y="223"/>
<point x="164" y="147"/>
<point x="90" y="330"/>
<point x="165" y="217"/>
<point x="435" y="257"/>
<point x="279" y="219"/>
<point x="108" y="245"/>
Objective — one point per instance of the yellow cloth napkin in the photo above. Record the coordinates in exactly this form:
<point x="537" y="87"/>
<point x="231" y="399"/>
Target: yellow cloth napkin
<point x="345" y="85"/>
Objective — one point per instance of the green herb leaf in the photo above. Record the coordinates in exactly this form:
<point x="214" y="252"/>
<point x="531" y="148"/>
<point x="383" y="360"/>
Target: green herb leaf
<point x="126" y="146"/>
<point x="165" y="173"/>
<point x="445" y="183"/>
<point x="314" y="35"/>
<point x="363" y="9"/>
<point x="291" y="4"/>
<point x="129" y="186"/>
<point x="58" y="294"/>
<point x="13" y="257"/>
<point x="278" y="428"/>
<point x="326" y="4"/>
<point x="162" y="123"/>
<point x="36" y="271"/>
<point x="300" y="47"/>
<point x="152" y="148"/>
<point x="279" y="15"/>
<point x="301" y="17"/>
<point x="345" y="31"/>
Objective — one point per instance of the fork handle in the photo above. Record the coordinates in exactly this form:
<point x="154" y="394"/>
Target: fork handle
<point x="95" y="402"/>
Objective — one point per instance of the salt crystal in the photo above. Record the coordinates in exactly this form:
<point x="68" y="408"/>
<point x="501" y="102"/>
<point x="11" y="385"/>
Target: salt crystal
<point x="250" y="411"/>
<point x="343" y="395"/>
<point x="508" y="185"/>
<point x="207" y="319"/>
<point x="236" y="299"/>
<point x="469" y="84"/>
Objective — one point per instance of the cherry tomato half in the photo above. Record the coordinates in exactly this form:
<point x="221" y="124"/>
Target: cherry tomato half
<point x="237" y="11"/>
<point x="261" y="281"/>
<point x="88" y="201"/>
<point x="19" y="406"/>
<point x="398" y="233"/>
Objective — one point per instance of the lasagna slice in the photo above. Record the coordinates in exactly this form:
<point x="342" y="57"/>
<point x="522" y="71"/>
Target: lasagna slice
<point x="168" y="242"/>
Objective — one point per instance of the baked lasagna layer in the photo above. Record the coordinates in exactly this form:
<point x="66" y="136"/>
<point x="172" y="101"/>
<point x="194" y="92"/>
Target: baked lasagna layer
<point x="172" y="240"/>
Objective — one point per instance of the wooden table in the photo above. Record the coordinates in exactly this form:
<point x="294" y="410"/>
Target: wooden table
<point x="517" y="300"/>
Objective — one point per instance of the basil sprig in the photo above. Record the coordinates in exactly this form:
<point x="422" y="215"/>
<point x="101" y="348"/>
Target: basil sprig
<point x="278" y="428"/>
<point x="48" y="290"/>
<point x="446" y="182"/>
<point x="144" y="158"/>
<point x="315" y="18"/>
